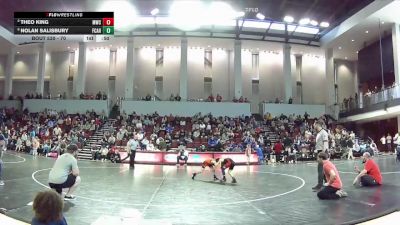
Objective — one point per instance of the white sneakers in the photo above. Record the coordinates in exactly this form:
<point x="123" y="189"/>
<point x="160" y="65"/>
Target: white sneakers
<point x="1" y="183"/>
<point x="341" y="193"/>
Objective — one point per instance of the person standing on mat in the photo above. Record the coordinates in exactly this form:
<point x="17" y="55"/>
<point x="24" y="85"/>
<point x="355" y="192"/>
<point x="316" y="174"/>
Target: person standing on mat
<point x="2" y="148"/>
<point x="321" y="145"/>
<point x="227" y="163"/>
<point x="207" y="163"/>
<point x="370" y="175"/>
<point x="64" y="176"/>
<point x="132" y="146"/>
<point x="333" y="187"/>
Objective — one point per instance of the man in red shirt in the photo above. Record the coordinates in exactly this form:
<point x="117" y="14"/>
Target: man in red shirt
<point x="333" y="187"/>
<point x="224" y="164"/>
<point x="370" y="175"/>
<point x="278" y="147"/>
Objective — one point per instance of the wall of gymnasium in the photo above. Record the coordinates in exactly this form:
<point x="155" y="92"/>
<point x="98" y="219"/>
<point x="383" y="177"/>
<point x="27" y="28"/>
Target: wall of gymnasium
<point x="346" y="75"/>
<point x="25" y="74"/>
<point x="3" y="59"/>
<point x="271" y="82"/>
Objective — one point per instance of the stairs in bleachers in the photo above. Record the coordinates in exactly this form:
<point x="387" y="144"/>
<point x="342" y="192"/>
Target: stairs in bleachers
<point x="273" y="136"/>
<point x="257" y="116"/>
<point x="85" y="152"/>
<point x="114" y="112"/>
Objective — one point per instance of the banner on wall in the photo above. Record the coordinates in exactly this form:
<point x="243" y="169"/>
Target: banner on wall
<point x="238" y="158"/>
<point x="194" y="157"/>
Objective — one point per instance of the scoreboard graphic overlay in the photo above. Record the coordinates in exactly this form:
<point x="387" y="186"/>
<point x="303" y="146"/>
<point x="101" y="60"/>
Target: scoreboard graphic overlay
<point x="64" y="26"/>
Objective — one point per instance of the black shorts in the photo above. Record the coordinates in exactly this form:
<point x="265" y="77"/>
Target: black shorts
<point x="232" y="165"/>
<point x="67" y="184"/>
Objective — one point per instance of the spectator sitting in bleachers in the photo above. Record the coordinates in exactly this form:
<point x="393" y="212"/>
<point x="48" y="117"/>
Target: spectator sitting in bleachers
<point x="177" y="98"/>
<point x="210" y="98"/>
<point x="219" y="98"/>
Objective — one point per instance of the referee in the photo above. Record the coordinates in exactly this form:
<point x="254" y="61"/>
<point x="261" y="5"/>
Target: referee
<point x="2" y="148"/>
<point x="321" y="145"/>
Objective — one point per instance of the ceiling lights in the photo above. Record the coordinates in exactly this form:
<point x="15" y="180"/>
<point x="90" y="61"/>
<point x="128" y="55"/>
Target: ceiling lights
<point x="154" y="11"/>
<point x="304" y="21"/>
<point x="324" y="24"/>
<point x="314" y="23"/>
<point x="288" y="19"/>
<point x="191" y="15"/>
<point x="260" y="16"/>
<point x="307" y="30"/>
<point x="256" y="24"/>
<point x="124" y="13"/>
<point x="187" y="15"/>
<point x="240" y="14"/>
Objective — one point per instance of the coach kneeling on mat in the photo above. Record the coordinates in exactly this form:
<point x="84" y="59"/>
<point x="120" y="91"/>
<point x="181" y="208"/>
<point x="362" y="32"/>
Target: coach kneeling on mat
<point x="64" y="176"/>
<point x="333" y="187"/>
<point x="370" y="175"/>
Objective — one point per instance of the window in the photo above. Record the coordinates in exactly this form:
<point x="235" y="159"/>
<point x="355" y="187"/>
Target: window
<point x="208" y="63"/>
<point x="255" y="65"/>
<point x="158" y="91"/>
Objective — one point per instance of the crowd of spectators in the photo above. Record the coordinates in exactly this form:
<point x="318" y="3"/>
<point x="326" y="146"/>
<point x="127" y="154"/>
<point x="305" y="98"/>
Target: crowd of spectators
<point x="99" y="96"/>
<point x="286" y="137"/>
<point x="46" y="132"/>
<point x="371" y="96"/>
<point x="31" y="95"/>
<point x="210" y="98"/>
<point x="279" y="101"/>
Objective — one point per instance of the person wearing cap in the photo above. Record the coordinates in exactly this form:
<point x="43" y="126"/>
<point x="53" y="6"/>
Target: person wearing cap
<point x="64" y="176"/>
<point x="370" y="175"/>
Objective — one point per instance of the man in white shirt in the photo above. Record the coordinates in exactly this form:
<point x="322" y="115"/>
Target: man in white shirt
<point x="131" y="148"/>
<point x="64" y="176"/>
<point x="202" y="126"/>
<point x="396" y="141"/>
<point x="389" y="142"/>
<point x="182" y="122"/>
<point x="140" y="136"/>
<point x="321" y="145"/>
<point x="57" y="131"/>
<point x="150" y="147"/>
<point x="144" y="143"/>
<point x="352" y="135"/>
<point x="383" y="141"/>
<point x="139" y="124"/>
<point x="2" y="148"/>
<point x="111" y="140"/>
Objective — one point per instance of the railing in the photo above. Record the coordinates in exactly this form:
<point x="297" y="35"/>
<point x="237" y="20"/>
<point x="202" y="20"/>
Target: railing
<point x="368" y="99"/>
<point x="333" y="110"/>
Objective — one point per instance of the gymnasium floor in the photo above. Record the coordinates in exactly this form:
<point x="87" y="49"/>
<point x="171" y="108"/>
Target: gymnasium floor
<point x="281" y="194"/>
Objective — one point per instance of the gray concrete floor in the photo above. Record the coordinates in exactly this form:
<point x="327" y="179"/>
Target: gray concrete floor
<point x="265" y="194"/>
